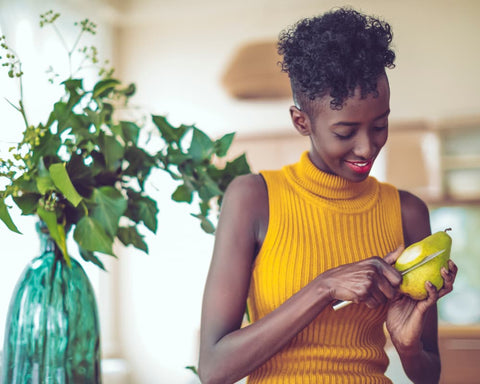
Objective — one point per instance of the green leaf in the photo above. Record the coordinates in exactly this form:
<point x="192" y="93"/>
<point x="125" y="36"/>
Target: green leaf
<point x="140" y="164"/>
<point x="148" y="210"/>
<point x="176" y="156"/>
<point x="201" y="147"/>
<point x="112" y="151"/>
<point x="80" y="125"/>
<point x="238" y="166"/>
<point x="90" y="256"/>
<point x="50" y="219"/>
<point x="167" y="131"/>
<point x="193" y="369"/>
<point x="129" y="235"/>
<point x="27" y="185"/>
<point x="45" y="184"/>
<point x="204" y="207"/>
<point x="223" y="144"/>
<point x="104" y="87"/>
<point x="90" y="235"/>
<point x="208" y="189"/>
<point x="130" y="131"/>
<point x="205" y="224"/>
<point x="182" y="194"/>
<point x="62" y="114"/>
<point x="73" y="86"/>
<point x="81" y="175"/>
<point x="62" y="243"/>
<point x="48" y="146"/>
<point x="57" y="231"/>
<point x="62" y="181"/>
<point x="109" y="207"/>
<point x="6" y="218"/>
<point x="27" y="202"/>
<point x="142" y="209"/>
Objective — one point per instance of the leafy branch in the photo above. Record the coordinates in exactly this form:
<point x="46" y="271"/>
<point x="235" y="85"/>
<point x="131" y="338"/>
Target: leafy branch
<point x="85" y="169"/>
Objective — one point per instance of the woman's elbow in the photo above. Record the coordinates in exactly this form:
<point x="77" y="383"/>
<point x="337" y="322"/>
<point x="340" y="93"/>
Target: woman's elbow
<point x="208" y="376"/>
<point x="209" y="373"/>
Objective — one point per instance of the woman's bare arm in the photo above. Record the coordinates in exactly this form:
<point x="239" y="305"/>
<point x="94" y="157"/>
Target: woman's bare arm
<point x="228" y="352"/>
<point x="413" y="325"/>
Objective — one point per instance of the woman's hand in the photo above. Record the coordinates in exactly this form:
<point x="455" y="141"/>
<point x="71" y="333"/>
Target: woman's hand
<point x="406" y="317"/>
<point x="372" y="281"/>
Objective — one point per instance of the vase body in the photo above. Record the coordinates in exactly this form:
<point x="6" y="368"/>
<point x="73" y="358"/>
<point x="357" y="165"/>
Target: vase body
<point x="52" y="331"/>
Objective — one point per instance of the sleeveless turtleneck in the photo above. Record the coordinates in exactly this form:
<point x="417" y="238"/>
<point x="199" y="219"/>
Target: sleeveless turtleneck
<point x="318" y="221"/>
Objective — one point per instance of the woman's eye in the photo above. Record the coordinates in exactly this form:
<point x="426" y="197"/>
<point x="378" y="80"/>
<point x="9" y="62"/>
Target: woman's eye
<point x="344" y="136"/>
<point x="379" y="129"/>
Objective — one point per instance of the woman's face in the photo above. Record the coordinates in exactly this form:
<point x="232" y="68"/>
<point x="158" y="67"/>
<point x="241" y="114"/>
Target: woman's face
<point x="346" y="142"/>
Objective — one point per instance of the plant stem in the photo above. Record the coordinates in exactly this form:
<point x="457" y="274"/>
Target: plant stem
<point x="70" y="53"/>
<point x="23" y="113"/>
<point x="20" y="102"/>
<point x="65" y="45"/>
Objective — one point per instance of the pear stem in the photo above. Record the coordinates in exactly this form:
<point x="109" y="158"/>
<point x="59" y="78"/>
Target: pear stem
<point x="447" y="229"/>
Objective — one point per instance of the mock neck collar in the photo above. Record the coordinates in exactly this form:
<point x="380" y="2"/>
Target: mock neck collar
<point x="306" y="177"/>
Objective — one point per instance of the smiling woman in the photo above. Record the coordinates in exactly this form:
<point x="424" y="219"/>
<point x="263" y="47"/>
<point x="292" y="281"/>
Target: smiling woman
<point x="350" y="138"/>
<point x="294" y="240"/>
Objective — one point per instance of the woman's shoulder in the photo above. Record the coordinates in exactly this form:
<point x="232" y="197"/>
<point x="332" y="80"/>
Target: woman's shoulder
<point x="246" y="201"/>
<point x="412" y="205"/>
<point x="415" y="217"/>
<point x="247" y="187"/>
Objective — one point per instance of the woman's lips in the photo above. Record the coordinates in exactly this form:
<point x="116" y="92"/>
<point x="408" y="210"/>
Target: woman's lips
<point x="363" y="166"/>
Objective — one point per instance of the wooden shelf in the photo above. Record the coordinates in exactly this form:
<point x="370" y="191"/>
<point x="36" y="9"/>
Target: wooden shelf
<point x="455" y="162"/>
<point x="459" y="331"/>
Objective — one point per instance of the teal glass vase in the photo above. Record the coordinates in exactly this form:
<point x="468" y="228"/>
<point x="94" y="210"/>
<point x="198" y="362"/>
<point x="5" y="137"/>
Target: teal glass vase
<point x="52" y="330"/>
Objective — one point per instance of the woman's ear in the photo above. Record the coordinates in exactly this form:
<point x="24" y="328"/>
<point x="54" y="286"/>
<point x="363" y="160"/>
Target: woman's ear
<point x="300" y="121"/>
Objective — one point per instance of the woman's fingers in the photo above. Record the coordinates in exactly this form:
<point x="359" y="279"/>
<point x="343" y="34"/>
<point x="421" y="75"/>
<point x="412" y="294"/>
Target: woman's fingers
<point x="391" y="257"/>
<point x="383" y="283"/>
<point x="448" y="278"/>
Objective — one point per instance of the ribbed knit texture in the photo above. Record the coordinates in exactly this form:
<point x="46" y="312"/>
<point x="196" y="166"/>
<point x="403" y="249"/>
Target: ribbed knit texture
<point x="319" y="221"/>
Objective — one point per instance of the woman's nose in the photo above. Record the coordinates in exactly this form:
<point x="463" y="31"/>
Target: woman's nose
<point x="364" y="147"/>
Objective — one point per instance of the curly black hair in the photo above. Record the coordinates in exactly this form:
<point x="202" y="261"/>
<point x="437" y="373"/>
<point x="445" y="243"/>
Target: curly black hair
<point x="335" y="53"/>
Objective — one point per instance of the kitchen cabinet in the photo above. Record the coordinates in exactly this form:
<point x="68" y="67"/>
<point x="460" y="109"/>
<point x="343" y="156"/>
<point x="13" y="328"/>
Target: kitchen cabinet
<point x="460" y="158"/>
<point x="411" y="158"/>
<point x="460" y="354"/>
<point x="438" y="161"/>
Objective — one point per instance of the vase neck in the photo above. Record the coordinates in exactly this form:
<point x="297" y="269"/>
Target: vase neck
<point x="47" y="243"/>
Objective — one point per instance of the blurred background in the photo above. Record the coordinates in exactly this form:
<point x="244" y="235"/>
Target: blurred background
<point x="213" y="64"/>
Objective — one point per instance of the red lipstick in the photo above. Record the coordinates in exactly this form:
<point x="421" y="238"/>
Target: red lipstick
<point x="360" y="166"/>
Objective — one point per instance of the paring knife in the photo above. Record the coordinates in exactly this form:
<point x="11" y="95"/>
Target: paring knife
<point x="340" y="303"/>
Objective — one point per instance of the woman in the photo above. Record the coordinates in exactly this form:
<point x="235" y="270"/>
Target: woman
<point x="293" y="241"/>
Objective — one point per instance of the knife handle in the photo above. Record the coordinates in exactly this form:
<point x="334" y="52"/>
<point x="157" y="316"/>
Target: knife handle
<point x="339" y="304"/>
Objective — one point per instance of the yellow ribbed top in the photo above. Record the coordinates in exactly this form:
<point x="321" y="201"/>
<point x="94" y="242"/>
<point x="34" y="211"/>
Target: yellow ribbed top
<point x="319" y="221"/>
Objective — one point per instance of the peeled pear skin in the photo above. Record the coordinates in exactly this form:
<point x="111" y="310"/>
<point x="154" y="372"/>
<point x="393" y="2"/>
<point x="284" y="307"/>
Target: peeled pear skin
<point x="413" y="283"/>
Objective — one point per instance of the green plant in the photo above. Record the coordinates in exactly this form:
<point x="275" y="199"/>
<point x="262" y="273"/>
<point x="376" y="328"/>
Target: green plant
<point x="85" y="168"/>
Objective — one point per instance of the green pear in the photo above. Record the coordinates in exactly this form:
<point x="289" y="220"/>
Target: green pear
<point x="413" y="283"/>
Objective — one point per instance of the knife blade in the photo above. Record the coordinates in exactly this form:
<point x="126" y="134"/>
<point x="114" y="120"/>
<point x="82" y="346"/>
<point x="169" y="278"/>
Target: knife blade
<point x="341" y="303"/>
<point x="423" y="262"/>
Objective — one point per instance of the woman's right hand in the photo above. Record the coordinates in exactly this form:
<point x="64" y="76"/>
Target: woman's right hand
<point x="372" y="281"/>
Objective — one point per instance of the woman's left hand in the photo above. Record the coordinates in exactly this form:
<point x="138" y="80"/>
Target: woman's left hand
<point x="406" y="317"/>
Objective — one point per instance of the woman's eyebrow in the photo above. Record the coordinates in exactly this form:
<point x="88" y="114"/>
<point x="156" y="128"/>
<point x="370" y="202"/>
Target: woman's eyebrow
<point x="355" y="123"/>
